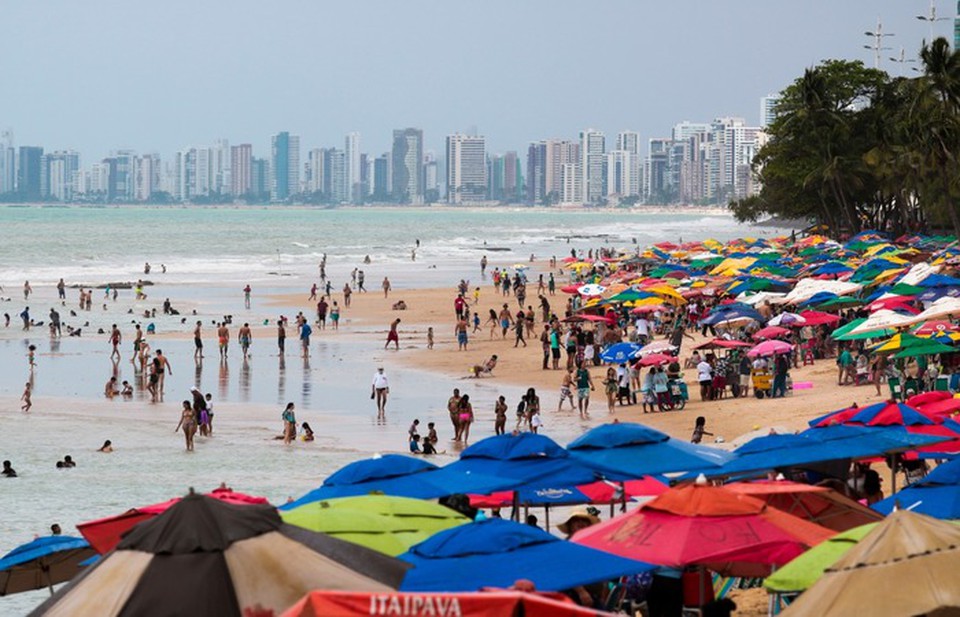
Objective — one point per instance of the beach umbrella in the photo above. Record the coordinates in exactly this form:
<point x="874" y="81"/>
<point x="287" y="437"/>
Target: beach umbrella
<point x="817" y="504"/>
<point x="883" y="320"/>
<point x="906" y="551"/>
<point x="770" y="348"/>
<point x="929" y="347"/>
<point x="657" y="347"/>
<point x="635" y="450"/>
<point x="729" y="533"/>
<point x="44" y="562"/>
<point x="944" y="307"/>
<point x="620" y="353"/>
<point x="839" y="302"/>
<point x="221" y="559"/>
<point x="104" y="534"/>
<point x="656" y="359"/>
<point x="722" y="343"/>
<point x="594" y="493"/>
<point x="485" y="604"/>
<point x="395" y="474"/>
<point x="935" y="403"/>
<point x="936" y="327"/>
<point x="770" y="332"/>
<point x="844" y="333"/>
<point x="495" y="553"/>
<point x="937" y="494"/>
<point x="786" y="319"/>
<point x="816" y="318"/>
<point x="884" y="413"/>
<point x="570" y="289"/>
<point x="591" y="290"/>
<point x="804" y="571"/>
<point x="386" y="524"/>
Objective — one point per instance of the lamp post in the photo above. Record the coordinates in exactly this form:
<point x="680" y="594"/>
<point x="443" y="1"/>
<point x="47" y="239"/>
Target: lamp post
<point x="901" y="60"/>
<point x="931" y="18"/>
<point x="877" y="46"/>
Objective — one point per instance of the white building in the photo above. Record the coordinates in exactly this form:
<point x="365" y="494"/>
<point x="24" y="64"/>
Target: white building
<point x="354" y="173"/>
<point x="571" y="184"/>
<point x="466" y="169"/>
<point x="593" y="165"/>
<point x="768" y="106"/>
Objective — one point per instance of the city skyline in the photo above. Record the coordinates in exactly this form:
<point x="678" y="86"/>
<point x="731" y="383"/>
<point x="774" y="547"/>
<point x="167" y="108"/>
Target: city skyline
<point x="293" y="66"/>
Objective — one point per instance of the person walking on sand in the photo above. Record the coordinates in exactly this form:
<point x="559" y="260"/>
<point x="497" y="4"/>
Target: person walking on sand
<point x="379" y="389"/>
<point x="161" y="367"/>
<point x="137" y="342"/>
<point x="500" y="416"/>
<point x="386" y="287"/>
<point x="518" y="327"/>
<point x="461" y="332"/>
<point x="346" y="294"/>
<point x="289" y="424"/>
<point x="452" y="404"/>
<point x="246" y="297"/>
<point x="566" y="391"/>
<point x="223" y="338"/>
<point x="313" y="292"/>
<point x="584" y="386"/>
<point x="188" y="422"/>
<point x="26" y="398"/>
<point x="245" y="336"/>
<point x="360" y="279"/>
<point x="115" y="339"/>
<point x="393" y="336"/>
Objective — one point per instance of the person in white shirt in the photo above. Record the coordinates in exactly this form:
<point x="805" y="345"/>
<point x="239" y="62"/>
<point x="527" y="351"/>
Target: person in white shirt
<point x="379" y="390"/>
<point x="643" y="330"/>
<point x="705" y="377"/>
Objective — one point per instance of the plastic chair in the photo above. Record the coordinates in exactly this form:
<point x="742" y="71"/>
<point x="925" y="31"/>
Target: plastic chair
<point x="896" y="392"/>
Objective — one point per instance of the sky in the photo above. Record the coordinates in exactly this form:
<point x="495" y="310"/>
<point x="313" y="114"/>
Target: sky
<point x="99" y="75"/>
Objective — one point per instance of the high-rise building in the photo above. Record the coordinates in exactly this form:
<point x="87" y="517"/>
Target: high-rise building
<point x="407" y="166"/>
<point x="382" y="187"/>
<point x="29" y="172"/>
<point x="8" y="163"/>
<point x="657" y="185"/>
<point x="335" y="175"/>
<point x="503" y="177"/>
<point x="146" y="176"/>
<point x="260" y="178"/>
<point x="625" y="180"/>
<point x="593" y="165"/>
<point x="768" y="109"/>
<point x="466" y="169"/>
<point x="315" y="170"/>
<point x="351" y="152"/>
<point x="571" y="179"/>
<point x="185" y="174"/>
<point x="284" y="166"/>
<point x="366" y="172"/>
<point x="56" y="175"/>
<point x="241" y="171"/>
<point x="545" y="161"/>
<point x="431" y="177"/>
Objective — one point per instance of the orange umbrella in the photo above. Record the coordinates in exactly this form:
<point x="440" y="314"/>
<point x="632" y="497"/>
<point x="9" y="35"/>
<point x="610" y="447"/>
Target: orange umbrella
<point x="817" y="504"/>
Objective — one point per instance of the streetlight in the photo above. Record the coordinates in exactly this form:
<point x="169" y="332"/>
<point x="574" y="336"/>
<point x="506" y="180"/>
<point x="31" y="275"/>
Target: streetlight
<point x="877" y="46"/>
<point x="902" y="60"/>
<point x="931" y="18"/>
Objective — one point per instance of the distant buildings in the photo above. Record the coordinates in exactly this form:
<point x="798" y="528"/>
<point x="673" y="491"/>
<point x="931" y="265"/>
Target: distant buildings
<point x="284" y="166"/>
<point x="592" y="166"/>
<point x="29" y="174"/>
<point x="466" y="169"/>
<point x="768" y="106"/>
<point x="407" y="166"/>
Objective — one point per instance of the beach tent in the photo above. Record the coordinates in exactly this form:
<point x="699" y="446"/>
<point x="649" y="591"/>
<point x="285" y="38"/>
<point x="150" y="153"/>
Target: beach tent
<point x="487" y="604"/>
<point x="635" y="450"/>
<point x="804" y="571"/>
<point x="937" y="495"/>
<point x="384" y="523"/>
<point x="729" y="533"/>
<point x="395" y="474"/>
<point x="203" y="556"/>
<point x="817" y="504"/>
<point x="906" y="565"/>
<point x="42" y="563"/>
<point x="496" y="552"/>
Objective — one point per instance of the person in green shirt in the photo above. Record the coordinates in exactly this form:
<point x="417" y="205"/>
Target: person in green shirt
<point x="584" y="386"/>
<point x="844" y="364"/>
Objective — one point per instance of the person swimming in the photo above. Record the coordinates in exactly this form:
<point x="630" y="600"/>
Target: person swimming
<point x="106" y="448"/>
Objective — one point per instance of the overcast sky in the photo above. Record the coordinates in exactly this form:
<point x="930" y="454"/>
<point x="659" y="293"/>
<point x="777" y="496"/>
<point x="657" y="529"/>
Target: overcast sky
<point x="94" y="75"/>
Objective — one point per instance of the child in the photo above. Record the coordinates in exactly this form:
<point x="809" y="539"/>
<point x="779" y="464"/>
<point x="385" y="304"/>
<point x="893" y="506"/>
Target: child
<point x="307" y="432"/>
<point x="31" y="356"/>
<point x="432" y="438"/>
<point x="536" y="422"/>
<point x="428" y="447"/>
<point x="476" y="296"/>
<point x="27" y="403"/>
<point x="430" y="337"/>
<point x="699" y="430"/>
<point x="415" y="444"/>
<point x="476" y="322"/>
<point x="209" y="399"/>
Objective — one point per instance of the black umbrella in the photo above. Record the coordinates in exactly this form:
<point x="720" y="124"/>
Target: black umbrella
<point x="207" y="557"/>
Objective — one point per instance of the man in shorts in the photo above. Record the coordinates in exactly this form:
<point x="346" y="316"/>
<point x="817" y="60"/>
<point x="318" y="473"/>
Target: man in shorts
<point x="584" y="386"/>
<point x="197" y="343"/>
<point x="223" y="338"/>
<point x="393" y="336"/>
<point x="379" y="389"/>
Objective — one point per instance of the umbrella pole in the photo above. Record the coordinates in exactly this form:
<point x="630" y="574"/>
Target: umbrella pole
<point x="515" y="510"/>
<point x="893" y="475"/>
<point x="546" y="517"/>
<point x="46" y="572"/>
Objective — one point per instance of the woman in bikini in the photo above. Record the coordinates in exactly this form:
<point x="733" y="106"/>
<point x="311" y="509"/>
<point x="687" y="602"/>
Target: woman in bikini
<point x="188" y="422"/>
<point x="465" y="418"/>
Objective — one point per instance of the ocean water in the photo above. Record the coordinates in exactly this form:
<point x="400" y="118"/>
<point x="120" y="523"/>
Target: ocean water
<point x="210" y="253"/>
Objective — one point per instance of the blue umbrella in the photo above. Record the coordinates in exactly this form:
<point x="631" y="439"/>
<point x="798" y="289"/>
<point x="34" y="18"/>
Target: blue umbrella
<point x="731" y="312"/>
<point x="395" y="474"/>
<point x="818" y="298"/>
<point x="833" y="267"/>
<point x="939" y="280"/>
<point x="496" y="553"/>
<point x="42" y="563"/>
<point x="636" y="450"/>
<point x="935" y="293"/>
<point x="620" y="353"/>
<point x="937" y="495"/>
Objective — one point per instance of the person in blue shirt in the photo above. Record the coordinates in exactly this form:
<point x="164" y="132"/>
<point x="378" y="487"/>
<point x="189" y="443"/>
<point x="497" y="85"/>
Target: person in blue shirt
<point x="305" y="332"/>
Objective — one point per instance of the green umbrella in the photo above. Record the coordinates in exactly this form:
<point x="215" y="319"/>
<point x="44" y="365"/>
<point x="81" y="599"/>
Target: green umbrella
<point x="840" y="301"/>
<point x="842" y="333"/>
<point x="928" y="347"/>
<point x="804" y="571"/>
<point x="390" y="525"/>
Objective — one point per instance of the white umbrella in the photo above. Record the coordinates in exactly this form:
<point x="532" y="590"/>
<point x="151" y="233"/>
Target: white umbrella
<point x="591" y="290"/>
<point x="772" y="297"/>
<point x="786" y="319"/>
<point x="884" y="319"/>
<point x="656" y="347"/>
<point x="808" y="288"/>
<point x="944" y="307"/>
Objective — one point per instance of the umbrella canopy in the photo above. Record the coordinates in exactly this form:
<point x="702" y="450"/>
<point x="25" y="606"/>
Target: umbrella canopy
<point x="104" y="534"/>
<point x="721" y="343"/>
<point x="733" y="534"/>
<point x="786" y="319"/>
<point x="936" y="495"/>
<point x="928" y="347"/>
<point x="804" y="571"/>
<point x="496" y="552"/>
<point x="936" y="327"/>
<point x="883" y="320"/>
<point x="816" y="318"/>
<point x="595" y="493"/>
<point x="884" y="413"/>
<point x="386" y="524"/>
<point x="620" y="353"/>
<point x="657" y="347"/>
<point x="487" y="604"/>
<point x="41" y="563"/>
<point x="591" y="290"/>
<point x="221" y="559"/>
<point x="395" y="474"/>
<point x="917" y="553"/>
<point x="845" y="333"/>
<point x="636" y="450"/>
<point x="946" y="306"/>
<point x="656" y="359"/>
<point x="770" y="332"/>
<point x="817" y="504"/>
<point x="936" y="403"/>
<point x="770" y="348"/>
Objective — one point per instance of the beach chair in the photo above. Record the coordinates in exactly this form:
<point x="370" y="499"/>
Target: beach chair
<point x="896" y="392"/>
<point x="942" y="384"/>
<point x="808" y="353"/>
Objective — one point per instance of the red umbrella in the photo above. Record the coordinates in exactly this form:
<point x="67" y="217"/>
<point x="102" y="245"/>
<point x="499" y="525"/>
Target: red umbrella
<point x="721" y="343"/>
<point x="899" y="303"/>
<point x="647" y="308"/>
<point x="817" y="504"/>
<point x="816" y="318"/>
<point x="104" y="534"/>
<point x="885" y="413"/>
<point x="936" y="327"/>
<point x="735" y="535"/>
<point x="656" y="359"/>
<point x="937" y="403"/>
<point x="666" y="246"/>
<point x="602" y="318"/>
<point x="770" y="332"/>
<point x="570" y="289"/>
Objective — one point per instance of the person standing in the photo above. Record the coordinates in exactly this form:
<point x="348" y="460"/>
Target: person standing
<point x="197" y="342"/>
<point x="518" y="327"/>
<point x="313" y="292"/>
<point x="55" y="325"/>
<point x="27" y="290"/>
<point x="281" y="336"/>
<point x="346" y="295"/>
<point x="545" y="343"/>
<point x="379" y="389"/>
<point x="705" y="377"/>
<point x="289" y="424"/>
<point x="461" y="331"/>
<point x="246" y="297"/>
<point x="500" y="416"/>
<point x="223" y="338"/>
<point x="322" y="307"/>
<point x="360" y="279"/>
<point x="464" y="419"/>
<point x="115" y="338"/>
<point x="386" y="287"/>
<point x="61" y="290"/>
<point x="781" y="368"/>
<point x="452" y="404"/>
<point x="161" y="367"/>
<point x="245" y="337"/>
<point x="584" y="386"/>
<point x="137" y="342"/>
<point x="393" y="336"/>
<point x="305" y="332"/>
<point x="188" y="422"/>
<point x="25" y="317"/>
